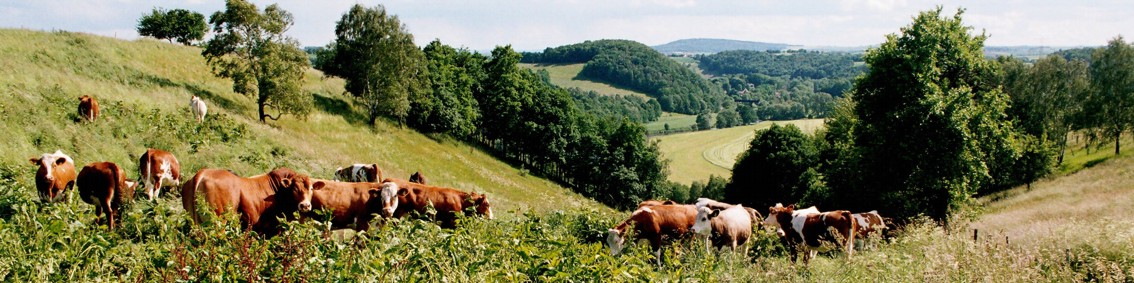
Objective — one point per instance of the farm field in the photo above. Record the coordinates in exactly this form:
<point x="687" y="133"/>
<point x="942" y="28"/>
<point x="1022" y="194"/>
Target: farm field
<point x="565" y="76"/>
<point x="676" y="121"/>
<point x="696" y="155"/>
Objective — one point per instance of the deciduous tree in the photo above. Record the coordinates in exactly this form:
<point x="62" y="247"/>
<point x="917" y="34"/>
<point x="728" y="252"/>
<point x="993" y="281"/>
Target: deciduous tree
<point x="1111" y="100"/>
<point x="178" y="24"/>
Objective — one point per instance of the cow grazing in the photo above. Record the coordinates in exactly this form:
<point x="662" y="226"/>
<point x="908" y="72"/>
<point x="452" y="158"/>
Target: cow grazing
<point x="88" y="108"/>
<point x="868" y="224"/>
<point x="401" y="197"/>
<point x="359" y="173"/>
<point x="198" y="107"/>
<point x="811" y="227"/>
<point x="258" y="199"/>
<point x="104" y="185"/>
<point x="157" y="169"/>
<point x="55" y="176"/>
<point x="349" y="202"/>
<point x="729" y="226"/>
<point x="417" y="178"/>
<point x="654" y="223"/>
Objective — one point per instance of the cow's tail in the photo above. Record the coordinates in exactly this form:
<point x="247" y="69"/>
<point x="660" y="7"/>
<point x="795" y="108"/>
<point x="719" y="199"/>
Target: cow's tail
<point x="850" y="235"/>
<point x="189" y="196"/>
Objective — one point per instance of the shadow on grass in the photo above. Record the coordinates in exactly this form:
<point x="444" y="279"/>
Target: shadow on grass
<point x="339" y="106"/>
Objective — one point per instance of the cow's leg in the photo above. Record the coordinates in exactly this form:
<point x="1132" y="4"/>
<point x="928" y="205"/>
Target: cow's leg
<point x="109" y="213"/>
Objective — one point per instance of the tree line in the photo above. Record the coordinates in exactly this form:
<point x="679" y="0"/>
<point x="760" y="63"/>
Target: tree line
<point x="638" y="67"/>
<point x="933" y="123"/>
<point x="784" y="85"/>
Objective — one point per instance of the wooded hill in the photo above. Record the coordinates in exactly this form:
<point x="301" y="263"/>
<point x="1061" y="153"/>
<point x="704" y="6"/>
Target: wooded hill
<point x="713" y="45"/>
<point x="635" y="66"/>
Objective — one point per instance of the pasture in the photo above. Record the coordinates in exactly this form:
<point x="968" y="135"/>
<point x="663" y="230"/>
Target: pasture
<point x="693" y="156"/>
<point x="676" y="121"/>
<point x="566" y="76"/>
<point x="545" y="233"/>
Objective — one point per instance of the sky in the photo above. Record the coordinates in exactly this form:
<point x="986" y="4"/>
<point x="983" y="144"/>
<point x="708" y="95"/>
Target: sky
<point x="532" y="25"/>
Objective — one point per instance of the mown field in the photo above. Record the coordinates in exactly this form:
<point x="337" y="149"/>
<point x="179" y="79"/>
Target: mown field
<point x="676" y="121"/>
<point x="694" y="156"/>
<point x="565" y="76"/>
<point x="550" y="235"/>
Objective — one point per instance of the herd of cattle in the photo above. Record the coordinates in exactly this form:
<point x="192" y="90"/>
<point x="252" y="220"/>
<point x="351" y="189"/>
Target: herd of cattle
<point x="728" y="225"/>
<point x="356" y="196"/>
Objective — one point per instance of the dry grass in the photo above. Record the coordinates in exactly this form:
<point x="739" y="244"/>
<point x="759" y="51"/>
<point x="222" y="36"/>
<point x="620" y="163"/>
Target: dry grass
<point x="696" y="155"/>
<point x="565" y="76"/>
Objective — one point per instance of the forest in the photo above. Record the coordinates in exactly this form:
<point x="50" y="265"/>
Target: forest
<point x="784" y="85"/>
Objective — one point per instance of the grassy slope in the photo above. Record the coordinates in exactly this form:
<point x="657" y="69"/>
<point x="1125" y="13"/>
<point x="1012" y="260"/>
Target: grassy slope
<point x="565" y="76"/>
<point x="696" y="155"/>
<point x="676" y="121"/>
<point x="42" y="74"/>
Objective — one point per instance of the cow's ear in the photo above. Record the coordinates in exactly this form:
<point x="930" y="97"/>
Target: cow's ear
<point x="318" y="185"/>
<point x="714" y="213"/>
<point x="60" y="161"/>
<point x="34" y="161"/>
<point x="403" y="192"/>
<point x="791" y="206"/>
<point x="375" y="193"/>
<point x="286" y="182"/>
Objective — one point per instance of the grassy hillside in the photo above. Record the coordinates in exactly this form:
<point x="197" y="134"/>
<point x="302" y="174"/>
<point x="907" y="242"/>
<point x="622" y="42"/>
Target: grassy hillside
<point x="144" y="88"/>
<point x="567" y="76"/>
<point x="676" y="121"/>
<point x="694" y="156"/>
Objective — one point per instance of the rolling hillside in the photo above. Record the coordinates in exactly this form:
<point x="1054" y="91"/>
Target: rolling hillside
<point x="710" y="45"/>
<point x="567" y="76"/>
<point x="694" y="156"/>
<point x="144" y="87"/>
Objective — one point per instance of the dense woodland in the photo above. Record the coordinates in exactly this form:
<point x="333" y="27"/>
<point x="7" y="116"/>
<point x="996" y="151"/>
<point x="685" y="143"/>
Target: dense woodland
<point x="637" y="67"/>
<point x="784" y="85"/>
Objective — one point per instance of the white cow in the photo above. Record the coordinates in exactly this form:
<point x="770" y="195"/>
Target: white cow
<point x="198" y="107"/>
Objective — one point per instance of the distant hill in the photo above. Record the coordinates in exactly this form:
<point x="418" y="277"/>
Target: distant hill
<point x="710" y="45"/>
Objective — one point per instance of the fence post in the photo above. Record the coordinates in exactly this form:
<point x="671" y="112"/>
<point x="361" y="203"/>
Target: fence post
<point x="975" y="232"/>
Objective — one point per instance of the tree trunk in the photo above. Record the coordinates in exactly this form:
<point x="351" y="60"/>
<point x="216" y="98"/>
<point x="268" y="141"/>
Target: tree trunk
<point x="1117" y="142"/>
<point x="261" y="107"/>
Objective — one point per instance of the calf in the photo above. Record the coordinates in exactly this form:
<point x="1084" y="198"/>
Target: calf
<point x="359" y="173"/>
<point x="349" y="202"/>
<point x="810" y="228"/>
<point x="158" y="168"/>
<point x="88" y="108"/>
<point x="55" y="176"/>
<point x="401" y="197"/>
<point x="259" y="199"/>
<point x="198" y="107"/>
<point x="417" y="178"/>
<point x="104" y="185"/>
<point x="868" y="224"/>
<point x="724" y="227"/>
<point x="654" y="223"/>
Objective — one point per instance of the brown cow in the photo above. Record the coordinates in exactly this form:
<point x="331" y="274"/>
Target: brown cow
<point x="349" y="202"/>
<point x="655" y="202"/>
<point x="104" y="185"/>
<point x="55" y="176"/>
<point x="401" y="197"/>
<point x="417" y="177"/>
<point x="811" y="227"/>
<point x="359" y="173"/>
<point x="654" y="223"/>
<point x="259" y="199"/>
<point x="88" y="108"/>
<point x="158" y="168"/>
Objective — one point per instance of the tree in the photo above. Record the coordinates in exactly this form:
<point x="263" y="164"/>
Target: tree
<point x="747" y="114"/>
<point x="772" y="169"/>
<point x="178" y="24"/>
<point x="727" y="118"/>
<point x="454" y="77"/>
<point x="376" y="55"/>
<point x="704" y="122"/>
<point x="250" y="48"/>
<point x="1112" y="84"/>
<point x="932" y="127"/>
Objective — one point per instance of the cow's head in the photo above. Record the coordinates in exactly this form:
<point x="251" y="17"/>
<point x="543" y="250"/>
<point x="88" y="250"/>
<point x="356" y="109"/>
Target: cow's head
<point x="703" y="223"/>
<point x="615" y="241"/>
<point x="297" y="187"/>
<point x="417" y="177"/>
<point x="389" y="194"/>
<point x="779" y="214"/>
<point x="482" y="206"/>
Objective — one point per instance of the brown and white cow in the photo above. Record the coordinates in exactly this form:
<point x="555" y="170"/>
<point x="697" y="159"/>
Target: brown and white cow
<point x="359" y="173"/>
<point x="88" y="108"/>
<point x="198" y="107"/>
<point x="157" y="169"/>
<point x="656" y="224"/>
<point x="400" y="197"/>
<point x="810" y="228"/>
<point x="258" y="199"/>
<point x="104" y="185"/>
<point x="724" y="225"/>
<point x="869" y="224"/>
<point x="349" y="202"/>
<point x="55" y="176"/>
<point x="417" y="177"/>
